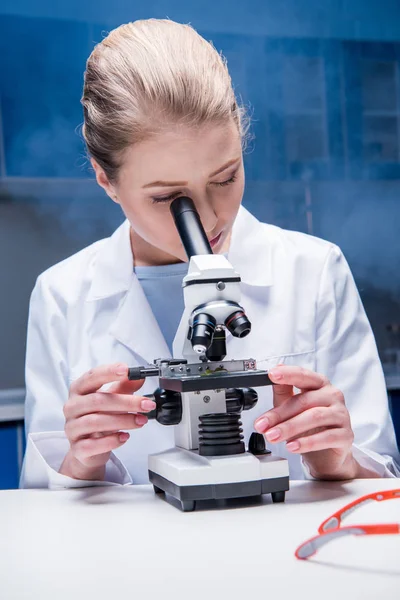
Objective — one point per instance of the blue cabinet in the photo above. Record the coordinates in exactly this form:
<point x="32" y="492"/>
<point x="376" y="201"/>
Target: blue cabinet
<point x="12" y="447"/>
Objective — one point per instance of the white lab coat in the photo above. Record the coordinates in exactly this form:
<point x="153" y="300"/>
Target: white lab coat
<point x="298" y="293"/>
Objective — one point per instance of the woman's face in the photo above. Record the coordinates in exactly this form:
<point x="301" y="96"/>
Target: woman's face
<point x="204" y="164"/>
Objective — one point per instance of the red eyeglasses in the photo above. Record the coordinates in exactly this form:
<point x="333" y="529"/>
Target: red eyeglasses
<point x="331" y="528"/>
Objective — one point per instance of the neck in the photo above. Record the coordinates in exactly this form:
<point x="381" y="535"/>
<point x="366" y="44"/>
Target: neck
<point x="146" y="255"/>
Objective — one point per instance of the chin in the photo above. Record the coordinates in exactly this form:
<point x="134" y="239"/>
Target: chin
<point x="178" y="255"/>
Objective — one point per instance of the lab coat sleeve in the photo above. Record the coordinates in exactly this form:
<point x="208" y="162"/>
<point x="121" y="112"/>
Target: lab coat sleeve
<point x="46" y="377"/>
<point x="346" y="353"/>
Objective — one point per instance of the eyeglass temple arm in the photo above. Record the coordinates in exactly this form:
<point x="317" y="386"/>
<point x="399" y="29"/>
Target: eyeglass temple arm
<point x="335" y="520"/>
<point x="312" y="545"/>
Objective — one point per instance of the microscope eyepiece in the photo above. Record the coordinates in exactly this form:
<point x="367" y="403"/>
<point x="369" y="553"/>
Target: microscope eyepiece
<point x="238" y="324"/>
<point x="189" y="226"/>
<point x="202" y="332"/>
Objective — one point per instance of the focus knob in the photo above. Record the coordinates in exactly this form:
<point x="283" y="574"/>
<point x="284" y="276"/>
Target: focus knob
<point x="257" y="444"/>
<point x="169" y="407"/>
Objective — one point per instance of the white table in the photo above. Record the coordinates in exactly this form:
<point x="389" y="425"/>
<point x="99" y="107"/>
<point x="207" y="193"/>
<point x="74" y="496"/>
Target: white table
<point x="125" y="542"/>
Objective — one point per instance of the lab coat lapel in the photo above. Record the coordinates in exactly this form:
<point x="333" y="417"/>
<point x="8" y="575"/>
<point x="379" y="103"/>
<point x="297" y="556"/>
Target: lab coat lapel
<point x="114" y="283"/>
<point x="136" y="327"/>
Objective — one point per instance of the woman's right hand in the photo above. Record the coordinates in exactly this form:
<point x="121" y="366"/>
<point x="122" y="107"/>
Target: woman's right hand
<point x="94" y="419"/>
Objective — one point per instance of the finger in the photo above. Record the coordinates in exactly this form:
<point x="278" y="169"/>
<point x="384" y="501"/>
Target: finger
<point x="93" y="380"/>
<point x="102" y="422"/>
<point x="305" y="422"/>
<point x="125" y="386"/>
<point x="88" y="448"/>
<point x="324" y="440"/>
<point x="298" y="377"/>
<point x="282" y="393"/>
<point x="294" y="406"/>
<point x="78" y="406"/>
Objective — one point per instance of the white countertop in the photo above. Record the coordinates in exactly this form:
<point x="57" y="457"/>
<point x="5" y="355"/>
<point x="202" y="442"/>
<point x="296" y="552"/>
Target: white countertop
<point x="126" y="542"/>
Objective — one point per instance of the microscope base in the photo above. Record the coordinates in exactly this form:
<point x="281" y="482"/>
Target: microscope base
<point x="189" y="477"/>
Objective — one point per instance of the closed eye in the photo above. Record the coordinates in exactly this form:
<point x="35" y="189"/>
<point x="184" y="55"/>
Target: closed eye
<point x="160" y="199"/>
<point x="227" y="182"/>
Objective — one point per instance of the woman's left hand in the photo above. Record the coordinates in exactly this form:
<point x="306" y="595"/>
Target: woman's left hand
<point x="315" y="422"/>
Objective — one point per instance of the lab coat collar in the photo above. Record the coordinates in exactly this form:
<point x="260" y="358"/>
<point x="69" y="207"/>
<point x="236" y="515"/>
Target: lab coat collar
<point x="249" y="254"/>
<point x="113" y="269"/>
<point x="250" y="251"/>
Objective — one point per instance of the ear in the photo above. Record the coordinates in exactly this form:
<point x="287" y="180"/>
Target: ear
<point x="103" y="181"/>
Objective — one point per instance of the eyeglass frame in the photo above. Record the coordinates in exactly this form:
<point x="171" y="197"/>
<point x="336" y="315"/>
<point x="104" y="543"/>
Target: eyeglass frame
<point x="331" y="528"/>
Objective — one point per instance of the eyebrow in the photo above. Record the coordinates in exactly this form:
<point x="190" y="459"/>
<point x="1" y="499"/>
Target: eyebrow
<point x="181" y="183"/>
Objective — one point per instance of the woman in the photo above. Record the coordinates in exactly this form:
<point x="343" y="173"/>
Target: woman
<point x="161" y="120"/>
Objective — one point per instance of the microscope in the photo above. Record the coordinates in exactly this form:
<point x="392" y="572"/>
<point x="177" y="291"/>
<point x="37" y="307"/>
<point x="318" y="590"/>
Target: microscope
<point x="203" y="393"/>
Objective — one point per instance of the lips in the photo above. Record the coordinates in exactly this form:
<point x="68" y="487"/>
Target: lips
<point x="215" y="240"/>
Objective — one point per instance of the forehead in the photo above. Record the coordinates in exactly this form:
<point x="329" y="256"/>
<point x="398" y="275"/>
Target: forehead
<point x="181" y="154"/>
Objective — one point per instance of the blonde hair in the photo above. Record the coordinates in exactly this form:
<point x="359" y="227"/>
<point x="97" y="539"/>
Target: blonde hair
<point x="146" y="76"/>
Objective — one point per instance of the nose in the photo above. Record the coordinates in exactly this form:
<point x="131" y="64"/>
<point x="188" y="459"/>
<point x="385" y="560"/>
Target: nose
<point x="207" y="214"/>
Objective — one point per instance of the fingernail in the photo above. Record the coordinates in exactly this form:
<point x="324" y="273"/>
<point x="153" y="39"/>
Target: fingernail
<point x="141" y="419"/>
<point x="123" y="436"/>
<point x="121" y="369"/>
<point x="262" y="424"/>
<point x="276" y="375"/>
<point x="272" y="435"/>
<point x="292" y="446"/>
<point x="148" y="405"/>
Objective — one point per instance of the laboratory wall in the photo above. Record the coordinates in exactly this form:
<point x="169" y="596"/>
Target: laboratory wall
<point x="321" y="82"/>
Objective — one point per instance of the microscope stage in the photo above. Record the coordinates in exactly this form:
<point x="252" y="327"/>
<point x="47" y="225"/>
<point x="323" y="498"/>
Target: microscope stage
<point x="196" y="382"/>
